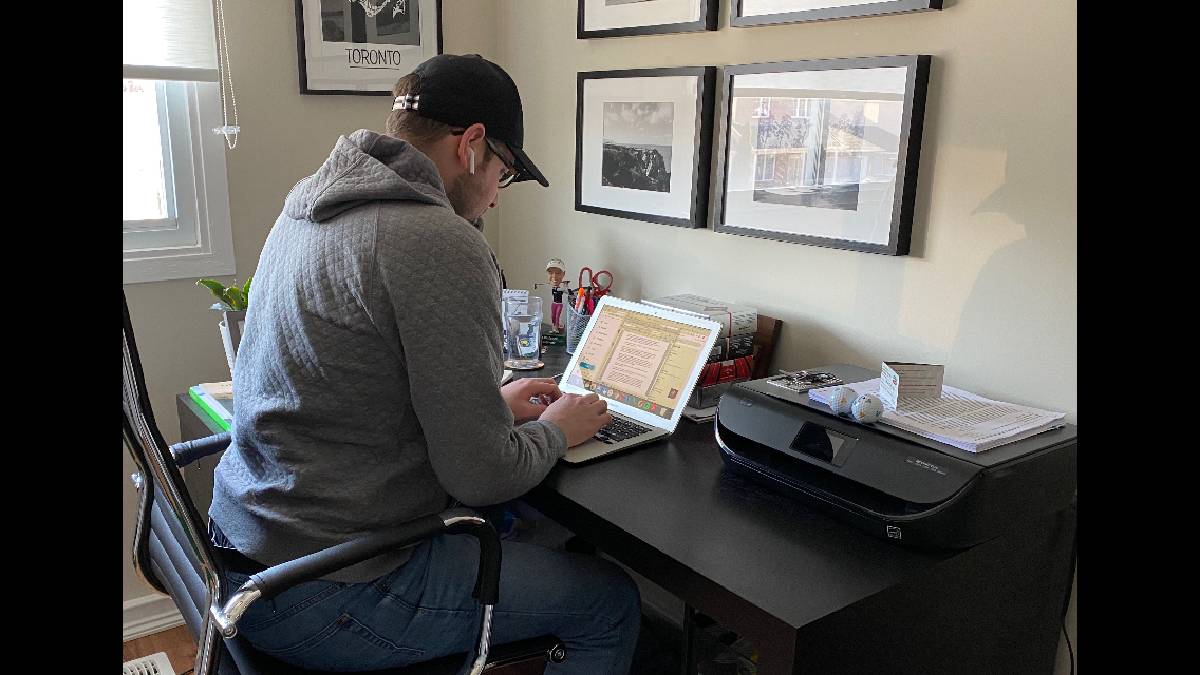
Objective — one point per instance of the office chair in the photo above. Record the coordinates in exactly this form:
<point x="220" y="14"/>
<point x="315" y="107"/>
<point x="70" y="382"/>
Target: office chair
<point x="173" y="554"/>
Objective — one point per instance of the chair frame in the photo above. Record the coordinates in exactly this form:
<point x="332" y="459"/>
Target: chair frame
<point x="154" y="460"/>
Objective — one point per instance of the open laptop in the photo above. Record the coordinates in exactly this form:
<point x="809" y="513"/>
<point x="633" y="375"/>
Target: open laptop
<point x="643" y="361"/>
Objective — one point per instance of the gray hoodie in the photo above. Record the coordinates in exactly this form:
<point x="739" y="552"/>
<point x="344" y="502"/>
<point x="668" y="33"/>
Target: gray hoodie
<point x="366" y="388"/>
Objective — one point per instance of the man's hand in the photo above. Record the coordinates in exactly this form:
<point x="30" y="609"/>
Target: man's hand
<point x="579" y="417"/>
<point x="521" y="394"/>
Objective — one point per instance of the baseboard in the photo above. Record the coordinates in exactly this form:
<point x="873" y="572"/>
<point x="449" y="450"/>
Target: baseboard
<point x="149" y="614"/>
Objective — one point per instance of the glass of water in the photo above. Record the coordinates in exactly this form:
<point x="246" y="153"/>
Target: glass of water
<point x="522" y="319"/>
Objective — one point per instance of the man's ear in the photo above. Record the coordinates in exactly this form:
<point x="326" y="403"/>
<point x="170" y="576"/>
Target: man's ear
<point x="474" y="133"/>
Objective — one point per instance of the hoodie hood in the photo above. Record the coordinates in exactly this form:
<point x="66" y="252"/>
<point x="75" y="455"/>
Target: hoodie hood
<point x="363" y="167"/>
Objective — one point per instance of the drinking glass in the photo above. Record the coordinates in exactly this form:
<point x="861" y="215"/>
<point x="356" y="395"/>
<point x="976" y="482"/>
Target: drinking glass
<point x="523" y="324"/>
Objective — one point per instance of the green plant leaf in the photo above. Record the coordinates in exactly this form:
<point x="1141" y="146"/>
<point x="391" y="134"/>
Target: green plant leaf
<point x="246" y="289"/>
<point x="237" y="299"/>
<point x="218" y="289"/>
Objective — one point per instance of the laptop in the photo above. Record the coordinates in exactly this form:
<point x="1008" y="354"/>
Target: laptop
<point x="643" y="361"/>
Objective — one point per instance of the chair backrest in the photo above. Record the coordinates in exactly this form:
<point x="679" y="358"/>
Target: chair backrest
<point x="171" y="549"/>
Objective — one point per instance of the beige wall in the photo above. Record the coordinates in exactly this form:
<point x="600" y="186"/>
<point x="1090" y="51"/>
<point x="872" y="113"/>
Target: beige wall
<point x="989" y="288"/>
<point x="285" y="136"/>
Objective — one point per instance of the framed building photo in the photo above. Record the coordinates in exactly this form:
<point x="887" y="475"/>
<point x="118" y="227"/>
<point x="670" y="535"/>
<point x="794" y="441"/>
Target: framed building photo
<point x="822" y="152"/>
<point x="362" y="47"/>
<point x="644" y="143"/>
<point x="616" y="18"/>
<point x="760" y="12"/>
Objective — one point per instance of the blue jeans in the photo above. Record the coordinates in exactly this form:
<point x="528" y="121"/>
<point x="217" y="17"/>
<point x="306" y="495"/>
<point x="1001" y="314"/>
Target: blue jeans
<point x="424" y="609"/>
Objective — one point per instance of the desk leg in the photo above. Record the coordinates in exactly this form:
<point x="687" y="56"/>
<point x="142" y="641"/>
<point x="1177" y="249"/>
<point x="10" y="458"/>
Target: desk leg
<point x="688" y="657"/>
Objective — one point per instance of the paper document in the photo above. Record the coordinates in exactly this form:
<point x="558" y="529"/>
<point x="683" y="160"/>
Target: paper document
<point x="960" y="418"/>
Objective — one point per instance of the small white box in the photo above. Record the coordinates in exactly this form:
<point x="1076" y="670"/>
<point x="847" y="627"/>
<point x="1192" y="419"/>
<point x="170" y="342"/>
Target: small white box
<point x="900" y="380"/>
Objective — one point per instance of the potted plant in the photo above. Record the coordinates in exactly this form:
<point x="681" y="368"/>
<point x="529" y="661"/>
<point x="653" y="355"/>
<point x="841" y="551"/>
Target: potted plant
<point x="232" y="305"/>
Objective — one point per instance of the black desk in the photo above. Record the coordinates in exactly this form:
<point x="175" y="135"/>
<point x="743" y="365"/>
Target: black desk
<point x="812" y="594"/>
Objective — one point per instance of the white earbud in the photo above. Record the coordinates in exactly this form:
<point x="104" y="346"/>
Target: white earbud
<point x="472" y="159"/>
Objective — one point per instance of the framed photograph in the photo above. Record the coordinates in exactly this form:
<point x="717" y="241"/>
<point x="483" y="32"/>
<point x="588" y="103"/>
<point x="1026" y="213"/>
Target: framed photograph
<point x="760" y="12"/>
<point x="616" y="18"/>
<point x="822" y="152"/>
<point x="361" y="47"/>
<point x="644" y="144"/>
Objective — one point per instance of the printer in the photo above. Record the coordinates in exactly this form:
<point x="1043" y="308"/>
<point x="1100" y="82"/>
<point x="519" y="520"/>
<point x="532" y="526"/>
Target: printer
<point x="887" y="481"/>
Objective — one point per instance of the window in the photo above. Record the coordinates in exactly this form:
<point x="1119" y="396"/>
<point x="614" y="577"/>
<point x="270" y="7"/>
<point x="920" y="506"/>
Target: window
<point x="175" y="195"/>
<point x="764" y="170"/>
<point x="762" y="108"/>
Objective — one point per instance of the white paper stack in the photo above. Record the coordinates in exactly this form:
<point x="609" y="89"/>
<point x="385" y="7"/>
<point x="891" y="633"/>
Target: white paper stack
<point x="959" y="418"/>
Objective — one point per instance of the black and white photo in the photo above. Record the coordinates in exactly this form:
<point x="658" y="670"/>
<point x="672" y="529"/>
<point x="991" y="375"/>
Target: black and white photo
<point x="363" y="46"/>
<point x="617" y="18"/>
<point x="822" y="152"/>
<point x="637" y="145"/>
<point x="762" y="12"/>
<point x="643" y="144"/>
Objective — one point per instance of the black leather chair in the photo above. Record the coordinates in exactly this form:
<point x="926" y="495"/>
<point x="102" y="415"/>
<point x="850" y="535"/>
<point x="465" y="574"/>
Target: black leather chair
<point x="173" y="554"/>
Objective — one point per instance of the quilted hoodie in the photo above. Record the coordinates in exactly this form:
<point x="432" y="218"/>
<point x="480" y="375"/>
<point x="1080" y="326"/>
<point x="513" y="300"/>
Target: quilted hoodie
<point x="366" y="388"/>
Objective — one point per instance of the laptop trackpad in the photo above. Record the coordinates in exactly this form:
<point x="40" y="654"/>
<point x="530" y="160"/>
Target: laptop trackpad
<point x="593" y="449"/>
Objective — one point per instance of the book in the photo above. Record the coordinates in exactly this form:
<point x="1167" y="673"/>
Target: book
<point x="736" y="319"/>
<point x="220" y="410"/>
<point x="218" y="389"/>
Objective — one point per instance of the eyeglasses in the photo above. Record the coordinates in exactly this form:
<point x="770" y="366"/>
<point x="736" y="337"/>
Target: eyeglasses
<point x="510" y="171"/>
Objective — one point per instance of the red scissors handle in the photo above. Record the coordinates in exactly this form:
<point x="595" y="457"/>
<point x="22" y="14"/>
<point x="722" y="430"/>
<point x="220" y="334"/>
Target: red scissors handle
<point x="602" y="281"/>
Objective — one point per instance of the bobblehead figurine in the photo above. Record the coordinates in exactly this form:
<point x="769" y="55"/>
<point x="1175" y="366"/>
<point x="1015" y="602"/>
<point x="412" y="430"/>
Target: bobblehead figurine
<point x="556" y="269"/>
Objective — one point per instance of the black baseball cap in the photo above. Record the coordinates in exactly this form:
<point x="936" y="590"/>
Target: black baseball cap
<point x="461" y="90"/>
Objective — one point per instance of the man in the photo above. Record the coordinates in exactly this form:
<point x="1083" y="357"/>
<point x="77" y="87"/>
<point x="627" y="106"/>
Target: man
<point x="367" y="395"/>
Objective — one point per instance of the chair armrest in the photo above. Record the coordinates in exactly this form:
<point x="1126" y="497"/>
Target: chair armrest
<point x="189" y="451"/>
<point x="278" y="578"/>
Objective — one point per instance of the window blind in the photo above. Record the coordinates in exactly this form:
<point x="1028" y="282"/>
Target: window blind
<point x="169" y="40"/>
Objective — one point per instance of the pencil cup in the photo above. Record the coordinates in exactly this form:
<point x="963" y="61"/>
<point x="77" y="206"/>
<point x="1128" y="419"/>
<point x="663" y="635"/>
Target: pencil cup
<point x="575" y="324"/>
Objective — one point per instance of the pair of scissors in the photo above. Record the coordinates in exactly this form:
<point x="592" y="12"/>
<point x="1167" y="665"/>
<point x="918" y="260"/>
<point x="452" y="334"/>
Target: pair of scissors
<point x="598" y="284"/>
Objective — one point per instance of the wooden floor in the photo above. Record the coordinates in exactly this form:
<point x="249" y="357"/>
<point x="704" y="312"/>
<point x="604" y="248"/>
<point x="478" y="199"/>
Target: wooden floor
<point x="176" y="642"/>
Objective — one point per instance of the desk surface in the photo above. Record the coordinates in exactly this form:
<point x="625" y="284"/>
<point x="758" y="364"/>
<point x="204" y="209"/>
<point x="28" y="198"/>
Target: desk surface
<point x="787" y="559"/>
<point x="793" y="576"/>
<point x="796" y="580"/>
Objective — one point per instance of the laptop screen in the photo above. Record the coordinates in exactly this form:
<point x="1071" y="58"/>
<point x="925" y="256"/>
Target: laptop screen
<point x="643" y="360"/>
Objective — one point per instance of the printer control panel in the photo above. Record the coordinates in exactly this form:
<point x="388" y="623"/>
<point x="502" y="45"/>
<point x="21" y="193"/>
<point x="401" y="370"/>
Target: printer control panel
<point x="819" y="442"/>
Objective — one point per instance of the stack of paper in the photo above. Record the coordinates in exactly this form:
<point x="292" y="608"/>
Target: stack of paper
<point x="959" y="418"/>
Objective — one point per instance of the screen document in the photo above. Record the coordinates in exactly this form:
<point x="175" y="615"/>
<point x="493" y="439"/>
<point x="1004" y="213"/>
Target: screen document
<point x="639" y="359"/>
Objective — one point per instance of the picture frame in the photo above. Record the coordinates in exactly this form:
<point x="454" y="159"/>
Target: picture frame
<point x="361" y="47"/>
<point x="619" y="18"/>
<point x="822" y="152"/>
<point x="765" y="12"/>
<point x="643" y="143"/>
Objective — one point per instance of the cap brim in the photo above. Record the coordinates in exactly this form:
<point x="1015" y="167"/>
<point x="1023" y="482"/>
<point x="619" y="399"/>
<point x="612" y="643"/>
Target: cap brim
<point x="526" y="169"/>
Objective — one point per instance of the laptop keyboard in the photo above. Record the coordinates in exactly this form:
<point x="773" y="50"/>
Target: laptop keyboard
<point x="620" y="430"/>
